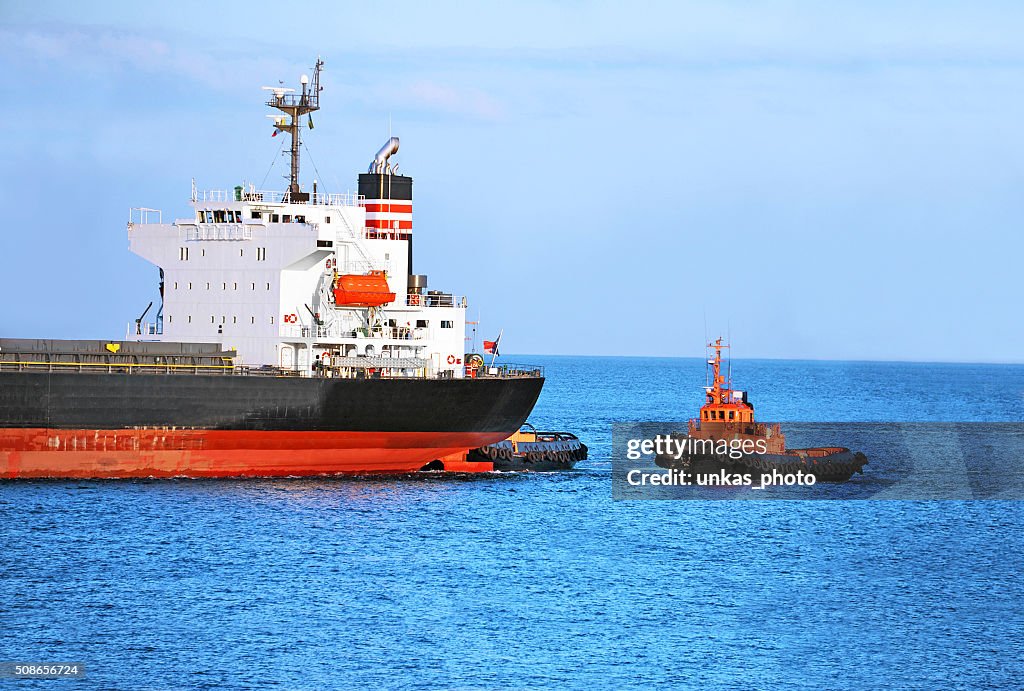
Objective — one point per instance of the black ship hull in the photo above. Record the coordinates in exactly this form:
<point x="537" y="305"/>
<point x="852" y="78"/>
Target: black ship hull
<point x="86" y="424"/>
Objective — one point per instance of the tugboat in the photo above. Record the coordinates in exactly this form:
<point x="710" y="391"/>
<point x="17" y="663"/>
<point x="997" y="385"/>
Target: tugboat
<point x="530" y="450"/>
<point x="726" y="438"/>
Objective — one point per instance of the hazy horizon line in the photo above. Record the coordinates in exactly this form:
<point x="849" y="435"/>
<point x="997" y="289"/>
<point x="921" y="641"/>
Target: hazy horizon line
<point x="782" y="359"/>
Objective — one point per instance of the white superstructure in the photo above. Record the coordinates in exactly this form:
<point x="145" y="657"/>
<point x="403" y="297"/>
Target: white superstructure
<point x="256" y="271"/>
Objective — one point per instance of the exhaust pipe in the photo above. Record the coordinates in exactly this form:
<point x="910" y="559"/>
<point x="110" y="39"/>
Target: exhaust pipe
<point x="380" y="161"/>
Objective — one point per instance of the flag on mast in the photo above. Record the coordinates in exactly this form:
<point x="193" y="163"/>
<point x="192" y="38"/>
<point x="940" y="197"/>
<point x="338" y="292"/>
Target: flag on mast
<point x="492" y="347"/>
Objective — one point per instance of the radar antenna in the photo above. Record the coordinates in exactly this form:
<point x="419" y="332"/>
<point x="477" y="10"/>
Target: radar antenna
<point x="295" y="105"/>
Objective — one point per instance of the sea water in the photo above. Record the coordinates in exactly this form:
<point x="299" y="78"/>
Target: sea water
<point x="518" y="580"/>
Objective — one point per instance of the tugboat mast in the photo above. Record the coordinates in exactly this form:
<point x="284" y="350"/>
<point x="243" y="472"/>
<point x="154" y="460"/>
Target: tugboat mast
<point x="716" y="390"/>
<point x="295" y="106"/>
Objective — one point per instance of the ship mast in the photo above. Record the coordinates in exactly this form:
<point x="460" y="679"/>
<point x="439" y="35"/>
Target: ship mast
<point x="715" y="395"/>
<point x="295" y="106"/>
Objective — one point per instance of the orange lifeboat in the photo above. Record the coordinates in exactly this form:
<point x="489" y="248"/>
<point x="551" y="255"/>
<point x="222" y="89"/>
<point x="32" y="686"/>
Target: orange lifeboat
<point x="362" y="290"/>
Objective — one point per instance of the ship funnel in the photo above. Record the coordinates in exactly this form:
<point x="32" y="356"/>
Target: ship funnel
<point x="380" y="161"/>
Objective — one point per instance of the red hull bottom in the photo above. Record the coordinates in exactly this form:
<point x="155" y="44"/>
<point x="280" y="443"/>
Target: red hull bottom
<point x="48" y="453"/>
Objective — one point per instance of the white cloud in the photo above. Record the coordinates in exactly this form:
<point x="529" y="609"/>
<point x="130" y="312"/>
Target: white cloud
<point x="88" y="49"/>
<point x="461" y="101"/>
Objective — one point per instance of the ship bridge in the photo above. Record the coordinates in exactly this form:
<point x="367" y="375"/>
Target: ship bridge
<point x="259" y="270"/>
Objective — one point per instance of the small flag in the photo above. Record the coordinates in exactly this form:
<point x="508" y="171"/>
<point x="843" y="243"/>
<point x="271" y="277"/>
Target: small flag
<point x="310" y="122"/>
<point x="491" y="347"/>
<point x="275" y="133"/>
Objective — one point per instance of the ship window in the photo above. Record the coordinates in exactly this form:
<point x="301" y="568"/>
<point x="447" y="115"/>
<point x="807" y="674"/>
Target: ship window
<point x="207" y="285"/>
<point x="287" y="218"/>
<point x="271" y="320"/>
<point x="218" y="216"/>
<point x="300" y="219"/>
<point x="213" y="319"/>
<point x="183" y="253"/>
<point x="447" y="325"/>
<point x="175" y="285"/>
<point x="190" y="319"/>
<point x="235" y="286"/>
<point x="327" y="220"/>
<point x="254" y="286"/>
<point x="209" y="216"/>
<point x="732" y="415"/>
<point x="325" y="243"/>
<point x="224" y="286"/>
<point x="422" y="323"/>
<point x="170" y="319"/>
<point x="241" y="253"/>
<point x="203" y="252"/>
<point x="223" y="319"/>
<point x="190" y="285"/>
<point x="268" y="286"/>
<point x="261" y="254"/>
<point x="257" y="214"/>
<point x="274" y="218"/>
<point x="252" y="320"/>
<point x="234" y="320"/>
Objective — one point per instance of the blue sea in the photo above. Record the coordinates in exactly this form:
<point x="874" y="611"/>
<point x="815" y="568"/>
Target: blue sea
<point x="536" y="581"/>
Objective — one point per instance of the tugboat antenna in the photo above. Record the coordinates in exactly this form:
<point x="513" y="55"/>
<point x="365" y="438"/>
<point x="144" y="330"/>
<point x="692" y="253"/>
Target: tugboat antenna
<point x="295" y="106"/>
<point x="728" y="339"/>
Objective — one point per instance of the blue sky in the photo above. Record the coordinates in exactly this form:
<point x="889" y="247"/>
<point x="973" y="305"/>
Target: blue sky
<point x="819" y="180"/>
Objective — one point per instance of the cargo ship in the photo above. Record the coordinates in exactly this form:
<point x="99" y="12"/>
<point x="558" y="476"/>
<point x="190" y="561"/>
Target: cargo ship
<point x="725" y="437"/>
<point x="292" y="338"/>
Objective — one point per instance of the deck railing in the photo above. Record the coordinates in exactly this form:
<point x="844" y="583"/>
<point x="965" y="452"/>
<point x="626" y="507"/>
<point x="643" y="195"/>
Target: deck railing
<point x="394" y="333"/>
<point x="509" y="371"/>
<point x="278" y="197"/>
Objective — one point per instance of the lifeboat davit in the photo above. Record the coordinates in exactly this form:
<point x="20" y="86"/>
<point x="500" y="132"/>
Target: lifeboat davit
<point x="362" y="290"/>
